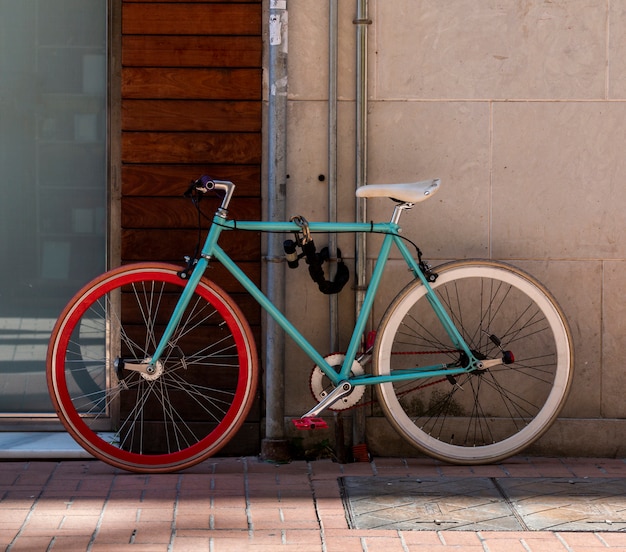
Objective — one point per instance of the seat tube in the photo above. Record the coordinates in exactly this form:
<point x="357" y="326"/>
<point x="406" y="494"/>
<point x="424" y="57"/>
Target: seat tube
<point x="368" y="302"/>
<point x="431" y="296"/>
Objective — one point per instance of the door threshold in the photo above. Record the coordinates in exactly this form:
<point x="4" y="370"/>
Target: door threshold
<point x="39" y="445"/>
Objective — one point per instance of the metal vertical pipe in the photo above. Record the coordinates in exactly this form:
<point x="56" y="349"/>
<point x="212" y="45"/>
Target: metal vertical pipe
<point x="361" y="21"/>
<point x="274" y="446"/>
<point x="333" y="300"/>
<point x="332" y="161"/>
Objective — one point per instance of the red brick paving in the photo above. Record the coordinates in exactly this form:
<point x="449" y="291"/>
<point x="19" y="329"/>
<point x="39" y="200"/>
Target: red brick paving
<point x="238" y="504"/>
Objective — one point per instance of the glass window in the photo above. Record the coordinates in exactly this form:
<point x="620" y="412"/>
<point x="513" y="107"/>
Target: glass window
<point x="53" y="160"/>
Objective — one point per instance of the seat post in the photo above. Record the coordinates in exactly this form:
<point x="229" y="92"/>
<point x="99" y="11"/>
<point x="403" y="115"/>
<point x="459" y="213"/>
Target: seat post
<point x="397" y="211"/>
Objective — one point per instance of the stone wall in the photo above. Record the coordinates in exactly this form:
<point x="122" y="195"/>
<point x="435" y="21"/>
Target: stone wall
<point x="519" y="106"/>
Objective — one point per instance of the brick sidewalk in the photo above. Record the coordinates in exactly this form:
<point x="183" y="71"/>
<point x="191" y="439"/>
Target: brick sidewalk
<point x="235" y="504"/>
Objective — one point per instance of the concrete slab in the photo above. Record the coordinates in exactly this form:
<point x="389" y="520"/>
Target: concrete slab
<point x="587" y="504"/>
<point x="485" y="503"/>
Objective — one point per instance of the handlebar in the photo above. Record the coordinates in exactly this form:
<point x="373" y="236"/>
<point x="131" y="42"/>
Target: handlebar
<point x="206" y="184"/>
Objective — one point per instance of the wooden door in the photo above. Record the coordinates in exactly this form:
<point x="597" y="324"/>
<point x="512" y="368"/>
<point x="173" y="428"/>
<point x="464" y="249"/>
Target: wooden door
<point x="191" y="105"/>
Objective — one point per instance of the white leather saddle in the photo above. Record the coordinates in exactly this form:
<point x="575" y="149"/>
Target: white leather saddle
<point x="411" y="192"/>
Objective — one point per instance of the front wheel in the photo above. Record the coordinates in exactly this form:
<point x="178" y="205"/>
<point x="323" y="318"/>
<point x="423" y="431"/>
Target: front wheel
<point x="484" y="415"/>
<point x="173" y="416"/>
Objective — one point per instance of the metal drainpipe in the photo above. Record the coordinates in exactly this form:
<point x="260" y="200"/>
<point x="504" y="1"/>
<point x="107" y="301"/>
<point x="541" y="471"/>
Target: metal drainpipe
<point x="361" y="21"/>
<point x="333" y="300"/>
<point x="332" y="162"/>
<point x="274" y="446"/>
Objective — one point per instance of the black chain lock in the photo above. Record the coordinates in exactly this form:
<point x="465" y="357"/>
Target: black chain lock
<point x="314" y="259"/>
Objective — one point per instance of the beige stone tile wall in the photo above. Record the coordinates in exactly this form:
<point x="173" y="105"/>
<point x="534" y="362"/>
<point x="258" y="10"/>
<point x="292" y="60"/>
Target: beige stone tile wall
<point x="519" y="106"/>
<point x="506" y="49"/>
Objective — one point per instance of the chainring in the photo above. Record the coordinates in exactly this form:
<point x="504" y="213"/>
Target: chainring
<point x="320" y="385"/>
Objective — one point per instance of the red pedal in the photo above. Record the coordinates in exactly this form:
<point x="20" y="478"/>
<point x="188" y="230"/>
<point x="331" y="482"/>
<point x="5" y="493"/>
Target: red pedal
<point x="310" y="423"/>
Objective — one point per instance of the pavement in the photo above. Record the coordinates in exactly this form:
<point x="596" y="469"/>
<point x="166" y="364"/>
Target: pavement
<point x="388" y="505"/>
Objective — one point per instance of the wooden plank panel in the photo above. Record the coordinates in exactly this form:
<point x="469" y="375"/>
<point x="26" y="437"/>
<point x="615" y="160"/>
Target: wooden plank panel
<point x="178" y="212"/>
<point x="196" y="115"/>
<point x="191" y="51"/>
<point x="191" y="84"/>
<point x="247" y="440"/>
<point x="157" y="18"/>
<point x="172" y="180"/>
<point x="169" y="56"/>
<point x="172" y="245"/>
<point x="218" y="274"/>
<point x="191" y="147"/>
<point x="133" y="315"/>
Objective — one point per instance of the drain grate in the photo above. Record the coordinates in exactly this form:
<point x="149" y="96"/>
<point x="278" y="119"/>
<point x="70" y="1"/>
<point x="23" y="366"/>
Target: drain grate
<point x="485" y="504"/>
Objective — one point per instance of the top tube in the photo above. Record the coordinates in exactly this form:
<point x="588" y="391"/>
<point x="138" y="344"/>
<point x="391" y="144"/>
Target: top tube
<point x="316" y="227"/>
<point x="205" y="184"/>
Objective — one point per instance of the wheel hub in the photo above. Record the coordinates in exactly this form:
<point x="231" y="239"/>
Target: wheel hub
<point x="147" y="370"/>
<point x="153" y="371"/>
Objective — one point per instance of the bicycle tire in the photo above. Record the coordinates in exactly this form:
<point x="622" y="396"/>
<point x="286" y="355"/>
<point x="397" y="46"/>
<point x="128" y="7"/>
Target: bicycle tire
<point x="487" y="415"/>
<point x="189" y="408"/>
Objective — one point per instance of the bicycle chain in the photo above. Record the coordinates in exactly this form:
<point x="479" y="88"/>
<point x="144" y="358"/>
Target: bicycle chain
<point x="412" y="389"/>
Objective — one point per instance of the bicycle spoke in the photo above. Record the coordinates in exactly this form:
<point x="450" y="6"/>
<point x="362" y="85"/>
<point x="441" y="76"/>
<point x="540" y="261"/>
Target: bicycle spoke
<point x="191" y="401"/>
<point x="484" y="414"/>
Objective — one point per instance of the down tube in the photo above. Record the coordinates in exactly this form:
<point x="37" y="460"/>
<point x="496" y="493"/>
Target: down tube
<point x="219" y="254"/>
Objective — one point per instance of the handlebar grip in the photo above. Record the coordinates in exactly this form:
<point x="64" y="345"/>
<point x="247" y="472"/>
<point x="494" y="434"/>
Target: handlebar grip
<point x="222" y="188"/>
<point x="203" y="185"/>
<point x="205" y="182"/>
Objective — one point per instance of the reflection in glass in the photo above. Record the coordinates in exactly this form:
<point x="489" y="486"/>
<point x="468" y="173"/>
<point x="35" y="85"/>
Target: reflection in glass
<point x="53" y="78"/>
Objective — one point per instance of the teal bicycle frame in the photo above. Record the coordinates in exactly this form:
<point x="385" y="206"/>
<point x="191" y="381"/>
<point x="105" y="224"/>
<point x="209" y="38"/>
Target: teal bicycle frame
<point x="391" y="232"/>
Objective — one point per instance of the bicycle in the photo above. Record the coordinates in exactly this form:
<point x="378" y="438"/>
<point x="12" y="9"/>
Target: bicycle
<point x="153" y="368"/>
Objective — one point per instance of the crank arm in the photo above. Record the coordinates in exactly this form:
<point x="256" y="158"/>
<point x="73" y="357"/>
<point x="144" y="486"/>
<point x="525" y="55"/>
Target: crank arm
<point x="337" y="393"/>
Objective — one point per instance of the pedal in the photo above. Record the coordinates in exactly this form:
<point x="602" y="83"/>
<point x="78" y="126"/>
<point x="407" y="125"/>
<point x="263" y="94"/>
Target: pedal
<point x="310" y="423"/>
